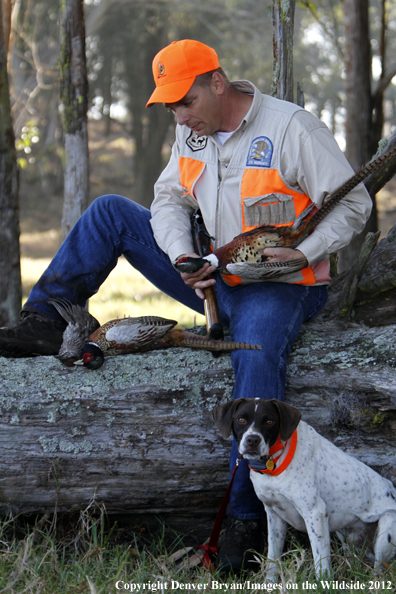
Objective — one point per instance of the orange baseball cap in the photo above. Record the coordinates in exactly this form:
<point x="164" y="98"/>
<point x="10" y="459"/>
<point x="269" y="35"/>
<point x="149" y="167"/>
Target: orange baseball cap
<point x="176" y="66"/>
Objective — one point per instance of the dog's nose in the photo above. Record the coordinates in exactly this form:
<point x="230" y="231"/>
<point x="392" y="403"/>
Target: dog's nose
<point x="253" y="440"/>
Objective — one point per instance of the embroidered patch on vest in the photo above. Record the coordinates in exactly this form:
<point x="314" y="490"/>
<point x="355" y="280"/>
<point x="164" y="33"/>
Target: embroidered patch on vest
<point x="196" y="143"/>
<point x="260" y="152"/>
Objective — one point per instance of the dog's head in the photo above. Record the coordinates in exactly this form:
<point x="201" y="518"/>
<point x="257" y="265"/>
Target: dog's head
<point x="256" y="423"/>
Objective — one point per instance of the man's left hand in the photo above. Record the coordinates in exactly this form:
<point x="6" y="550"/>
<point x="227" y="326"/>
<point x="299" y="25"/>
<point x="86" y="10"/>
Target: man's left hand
<point x="283" y="254"/>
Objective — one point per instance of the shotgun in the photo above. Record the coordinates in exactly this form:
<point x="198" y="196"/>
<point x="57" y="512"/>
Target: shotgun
<point x="202" y="247"/>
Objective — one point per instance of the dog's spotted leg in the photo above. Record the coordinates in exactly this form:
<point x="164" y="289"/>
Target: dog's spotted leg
<point x="317" y="524"/>
<point x="277" y="529"/>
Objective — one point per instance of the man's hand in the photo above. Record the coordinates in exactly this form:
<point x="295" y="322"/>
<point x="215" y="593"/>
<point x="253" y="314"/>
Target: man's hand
<point x="198" y="280"/>
<point x="283" y="254"/>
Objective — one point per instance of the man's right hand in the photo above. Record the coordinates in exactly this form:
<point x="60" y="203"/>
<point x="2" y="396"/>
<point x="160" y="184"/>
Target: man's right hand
<point x="198" y="280"/>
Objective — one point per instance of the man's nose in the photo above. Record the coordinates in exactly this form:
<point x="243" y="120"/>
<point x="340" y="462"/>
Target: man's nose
<point x="181" y="116"/>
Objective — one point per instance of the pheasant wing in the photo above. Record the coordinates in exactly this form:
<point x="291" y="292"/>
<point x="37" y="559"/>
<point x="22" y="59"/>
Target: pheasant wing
<point x="265" y="270"/>
<point x="137" y="332"/>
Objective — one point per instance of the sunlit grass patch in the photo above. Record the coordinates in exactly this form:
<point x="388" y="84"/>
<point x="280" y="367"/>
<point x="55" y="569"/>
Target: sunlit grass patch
<point x="125" y="293"/>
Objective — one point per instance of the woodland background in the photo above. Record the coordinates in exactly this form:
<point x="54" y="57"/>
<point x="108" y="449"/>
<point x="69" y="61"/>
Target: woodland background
<point x="73" y="441"/>
<point x="129" y="145"/>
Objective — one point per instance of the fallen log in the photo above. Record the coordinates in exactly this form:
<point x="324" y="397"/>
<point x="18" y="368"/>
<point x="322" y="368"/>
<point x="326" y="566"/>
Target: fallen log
<point x="138" y="434"/>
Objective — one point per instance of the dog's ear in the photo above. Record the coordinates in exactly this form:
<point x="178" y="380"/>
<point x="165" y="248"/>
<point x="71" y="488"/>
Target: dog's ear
<point x="222" y="416"/>
<point x="289" y="419"/>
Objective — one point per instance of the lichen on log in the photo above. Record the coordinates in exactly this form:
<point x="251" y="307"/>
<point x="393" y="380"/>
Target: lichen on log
<point x="138" y="434"/>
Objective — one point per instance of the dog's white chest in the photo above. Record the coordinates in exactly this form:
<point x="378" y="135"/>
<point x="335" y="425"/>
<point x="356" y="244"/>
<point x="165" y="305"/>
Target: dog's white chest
<point x="281" y="504"/>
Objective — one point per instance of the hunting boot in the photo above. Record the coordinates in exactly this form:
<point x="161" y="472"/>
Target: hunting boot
<point x="238" y="544"/>
<point x="34" y="335"/>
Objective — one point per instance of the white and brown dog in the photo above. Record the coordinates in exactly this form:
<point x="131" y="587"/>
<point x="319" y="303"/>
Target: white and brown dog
<point x="306" y="481"/>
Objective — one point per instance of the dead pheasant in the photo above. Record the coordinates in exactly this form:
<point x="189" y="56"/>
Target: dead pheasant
<point x="243" y="255"/>
<point x="126" y="335"/>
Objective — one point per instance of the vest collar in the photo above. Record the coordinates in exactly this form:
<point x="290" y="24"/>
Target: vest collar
<point x="268" y="465"/>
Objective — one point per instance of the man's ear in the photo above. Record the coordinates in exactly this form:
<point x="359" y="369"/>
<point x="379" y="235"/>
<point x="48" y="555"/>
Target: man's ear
<point x="289" y="419"/>
<point x="217" y="83"/>
<point x="223" y="415"/>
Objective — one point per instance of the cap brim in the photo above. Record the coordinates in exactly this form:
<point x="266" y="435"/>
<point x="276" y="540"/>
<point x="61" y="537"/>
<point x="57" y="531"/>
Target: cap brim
<point x="171" y="92"/>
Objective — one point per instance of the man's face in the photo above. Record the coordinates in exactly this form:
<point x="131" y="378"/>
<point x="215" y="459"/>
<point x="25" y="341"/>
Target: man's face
<point x="200" y="110"/>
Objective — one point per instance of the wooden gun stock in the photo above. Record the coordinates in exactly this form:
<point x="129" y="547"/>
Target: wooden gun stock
<point x="203" y="248"/>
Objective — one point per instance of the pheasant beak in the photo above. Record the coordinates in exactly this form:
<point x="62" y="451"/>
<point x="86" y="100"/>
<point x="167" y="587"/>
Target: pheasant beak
<point x="86" y="358"/>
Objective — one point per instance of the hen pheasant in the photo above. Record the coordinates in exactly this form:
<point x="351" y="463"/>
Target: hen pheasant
<point x="126" y="335"/>
<point x="243" y="255"/>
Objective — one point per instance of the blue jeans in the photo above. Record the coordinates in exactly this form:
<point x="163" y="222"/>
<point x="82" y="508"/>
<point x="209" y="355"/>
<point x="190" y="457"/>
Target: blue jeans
<point x="269" y="314"/>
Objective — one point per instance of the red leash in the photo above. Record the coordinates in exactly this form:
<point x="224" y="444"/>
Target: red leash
<point x="211" y="547"/>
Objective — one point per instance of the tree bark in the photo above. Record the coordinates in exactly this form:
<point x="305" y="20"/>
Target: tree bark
<point x="74" y="95"/>
<point x="364" y="125"/>
<point x="283" y="32"/>
<point x="149" y="126"/>
<point x="357" y="83"/>
<point x="138" y="434"/>
<point x="6" y="20"/>
<point x="10" y="273"/>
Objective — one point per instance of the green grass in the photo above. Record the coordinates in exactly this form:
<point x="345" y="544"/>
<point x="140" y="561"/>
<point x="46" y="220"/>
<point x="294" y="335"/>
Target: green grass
<point x="90" y="556"/>
<point x="125" y="293"/>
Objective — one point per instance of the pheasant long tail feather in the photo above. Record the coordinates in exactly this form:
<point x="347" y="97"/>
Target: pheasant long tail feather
<point x="344" y="190"/>
<point x="194" y="341"/>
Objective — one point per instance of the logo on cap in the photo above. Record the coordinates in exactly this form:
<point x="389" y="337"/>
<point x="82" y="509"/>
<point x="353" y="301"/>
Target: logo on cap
<point x="161" y="70"/>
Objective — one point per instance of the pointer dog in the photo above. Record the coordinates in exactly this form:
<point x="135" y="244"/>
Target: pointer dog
<point x="307" y="482"/>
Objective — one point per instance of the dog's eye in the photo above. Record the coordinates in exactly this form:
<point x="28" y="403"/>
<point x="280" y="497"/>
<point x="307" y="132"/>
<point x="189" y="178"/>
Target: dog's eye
<point x="269" y="422"/>
<point x="241" y="420"/>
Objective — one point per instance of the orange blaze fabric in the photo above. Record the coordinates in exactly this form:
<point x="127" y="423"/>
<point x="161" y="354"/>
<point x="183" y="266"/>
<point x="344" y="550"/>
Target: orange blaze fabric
<point x="190" y="171"/>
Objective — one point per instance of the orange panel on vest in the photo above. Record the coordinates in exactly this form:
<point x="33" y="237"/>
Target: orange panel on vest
<point x="190" y="170"/>
<point x="278" y="200"/>
<point x="274" y="210"/>
<point x="309" y="277"/>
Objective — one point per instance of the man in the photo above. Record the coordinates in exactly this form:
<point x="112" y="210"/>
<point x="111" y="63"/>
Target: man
<point x="245" y="159"/>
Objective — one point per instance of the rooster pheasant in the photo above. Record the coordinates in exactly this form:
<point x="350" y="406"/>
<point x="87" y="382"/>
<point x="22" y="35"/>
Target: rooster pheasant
<point x="87" y="347"/>
<point x="243" y="255"/>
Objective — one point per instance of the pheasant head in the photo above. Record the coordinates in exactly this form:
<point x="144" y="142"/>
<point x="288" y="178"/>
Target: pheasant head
<point x="92" y="356"/>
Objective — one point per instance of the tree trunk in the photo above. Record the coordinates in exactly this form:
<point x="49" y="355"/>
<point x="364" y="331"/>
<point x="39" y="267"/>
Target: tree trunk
<point x="283" y="31"/>
<point x="74" y="95"/>
<point x="357" y="83"/>
<point x="149" y="126"/>
<point x="6" y="19"/>
<point x="359" y="121"/>
<point x="10" y="273"/>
